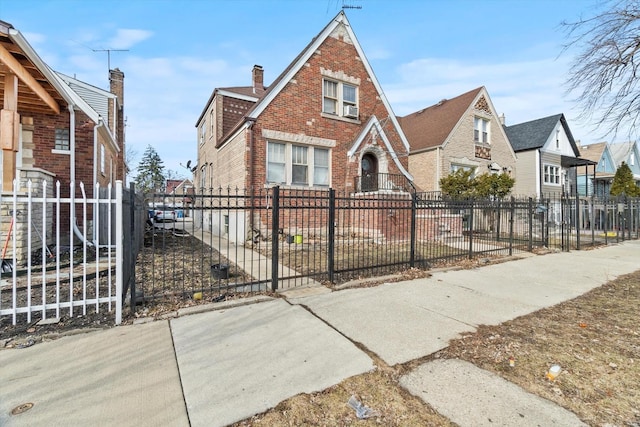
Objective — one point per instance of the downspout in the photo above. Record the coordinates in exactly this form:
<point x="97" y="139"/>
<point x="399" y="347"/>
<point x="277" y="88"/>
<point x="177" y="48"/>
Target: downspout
<point x="95" y="177"/>
<point x="251" y="170"/>
<point x="72" y="174"/>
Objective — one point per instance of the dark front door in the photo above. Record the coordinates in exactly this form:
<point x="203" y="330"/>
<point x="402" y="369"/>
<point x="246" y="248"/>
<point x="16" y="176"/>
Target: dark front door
<point x="369" y="172"/>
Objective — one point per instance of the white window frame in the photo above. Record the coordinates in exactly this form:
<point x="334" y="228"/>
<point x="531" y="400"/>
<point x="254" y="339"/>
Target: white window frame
<point x="289" y="164"/>
<point x="202" y="132"/>
<point x="551" y="174"/>
<point x="339" y="100"/>
<point x="481" y="130"/>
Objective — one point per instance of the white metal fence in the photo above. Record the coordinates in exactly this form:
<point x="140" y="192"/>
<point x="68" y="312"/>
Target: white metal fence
<point x="60" y="255"/>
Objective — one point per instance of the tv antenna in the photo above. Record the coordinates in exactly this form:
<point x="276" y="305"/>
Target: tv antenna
<point x="109" y="54"/>
<point x="350" y="6"/>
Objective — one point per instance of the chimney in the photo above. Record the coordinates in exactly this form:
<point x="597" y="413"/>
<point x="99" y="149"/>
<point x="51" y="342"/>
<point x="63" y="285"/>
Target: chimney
<point x="502" y="119"/>
<point x="257" y="78"/>
<point x="116" y="85"/>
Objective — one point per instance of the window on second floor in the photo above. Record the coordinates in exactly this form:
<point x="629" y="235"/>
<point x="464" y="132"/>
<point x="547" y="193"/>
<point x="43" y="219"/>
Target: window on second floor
<point x="297" y="165"/>
<point x="551" y="174"/>
<point x="340" y="99"/>
<point x="632" y="159"/>
<point x="481" y="130"/>
<point x="62" y="140"/>
<point x="203" y="133"/>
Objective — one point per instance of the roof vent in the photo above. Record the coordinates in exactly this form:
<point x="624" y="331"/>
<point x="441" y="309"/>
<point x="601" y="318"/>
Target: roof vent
<point x="442" y="101"/>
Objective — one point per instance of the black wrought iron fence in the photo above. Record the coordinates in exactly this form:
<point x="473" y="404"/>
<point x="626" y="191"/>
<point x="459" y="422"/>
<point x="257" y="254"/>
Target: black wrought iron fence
<point x="227" y="241"/>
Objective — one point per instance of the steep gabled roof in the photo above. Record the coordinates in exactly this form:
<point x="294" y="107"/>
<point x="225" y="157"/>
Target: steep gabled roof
<point x="285" y="77"/>
<point x="374" y="123"/>
<point x="431" y="126"/>
<point x="620" y="151"/>
<point x="535" y="133"/>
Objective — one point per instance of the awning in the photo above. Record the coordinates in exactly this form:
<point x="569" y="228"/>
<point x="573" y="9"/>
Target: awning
<point x="572" y="162"/>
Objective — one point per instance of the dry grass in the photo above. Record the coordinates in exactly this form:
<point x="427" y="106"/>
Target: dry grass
<point x="595" y="338"/>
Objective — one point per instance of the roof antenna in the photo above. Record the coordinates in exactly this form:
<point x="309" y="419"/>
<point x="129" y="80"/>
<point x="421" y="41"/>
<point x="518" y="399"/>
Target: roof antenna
<point x="350" y="6"/>
<point x="109" y="54"/>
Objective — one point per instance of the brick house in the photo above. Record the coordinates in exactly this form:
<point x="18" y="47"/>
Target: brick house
<point x="55" y="128"/>
<point x="464" y="132"/>
<point x="324" y="122"/>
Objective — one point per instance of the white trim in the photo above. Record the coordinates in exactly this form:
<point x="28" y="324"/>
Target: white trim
<point x="236" y="95"/>
<point x="340" y="19"/>
<point x="298" y="138"/>
<point x="373" y="122"/>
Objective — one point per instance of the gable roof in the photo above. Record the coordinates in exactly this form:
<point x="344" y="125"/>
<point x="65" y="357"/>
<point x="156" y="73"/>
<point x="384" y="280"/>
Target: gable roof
<point x="593" y="152"/>
<point x="285" y="77"/>
<point x="374" y="123"/>
<point x="620" y="151"/>
<point x="431" y="126"/>
<point x="535" y="133"/>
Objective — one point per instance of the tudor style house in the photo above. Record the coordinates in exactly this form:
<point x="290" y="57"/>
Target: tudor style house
<point x="55" y="128"/>
<point x="324" y="122"/>
<point x="464" y="132"/>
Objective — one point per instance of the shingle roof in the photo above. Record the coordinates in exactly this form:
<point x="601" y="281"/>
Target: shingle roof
<point x="593" y="151"/>
<point x="533" y="134"/>
<point x="431" y="126"/>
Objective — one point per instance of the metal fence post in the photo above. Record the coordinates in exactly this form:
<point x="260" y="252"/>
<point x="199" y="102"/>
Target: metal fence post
<point x="331" y="227"/>
<point x="119" y="248"/>
<point x="412" y="254"/>
<point x="134" y="244"/>
<point x="531" y="224"/>
<point x="472" y="207"/>
<point x="512" y="211"/>
<point x="275" y="237"/>
<point x="578" y="228"/>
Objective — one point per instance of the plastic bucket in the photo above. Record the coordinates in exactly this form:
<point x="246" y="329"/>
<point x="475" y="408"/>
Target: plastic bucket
<point x="297" y="238"/>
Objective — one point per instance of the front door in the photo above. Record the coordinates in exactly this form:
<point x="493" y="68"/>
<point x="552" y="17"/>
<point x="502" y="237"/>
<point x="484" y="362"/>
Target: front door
<point x="369" y="173"/>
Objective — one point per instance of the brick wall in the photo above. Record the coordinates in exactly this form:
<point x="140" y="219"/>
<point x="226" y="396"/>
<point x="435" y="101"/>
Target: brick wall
<point x="298" y="110"/>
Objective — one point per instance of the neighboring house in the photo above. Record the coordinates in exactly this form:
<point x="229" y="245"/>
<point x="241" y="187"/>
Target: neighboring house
<point x="324" y="122"/>
<point x="56" y="128"/>
<point x="547" y="157"/>
<point x="179" y="194"/>
<point x="595" y="180"/>
<point x="629" y="153"/>
<point x="460" y="133"/>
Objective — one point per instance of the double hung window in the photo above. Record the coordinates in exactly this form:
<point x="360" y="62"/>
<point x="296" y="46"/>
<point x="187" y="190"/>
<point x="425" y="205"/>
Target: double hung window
<point x="297" y="165"/>
<point x="551" y="174"/>
<point x="481" y="130"/>
<point x="62" y="140"/>
<point x="339" y="98"/>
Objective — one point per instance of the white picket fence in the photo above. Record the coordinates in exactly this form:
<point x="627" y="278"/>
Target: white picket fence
<point x="53" y="261"/>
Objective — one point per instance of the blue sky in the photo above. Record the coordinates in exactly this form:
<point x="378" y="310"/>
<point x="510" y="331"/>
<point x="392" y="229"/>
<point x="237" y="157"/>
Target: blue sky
<point x="174" y="53"/>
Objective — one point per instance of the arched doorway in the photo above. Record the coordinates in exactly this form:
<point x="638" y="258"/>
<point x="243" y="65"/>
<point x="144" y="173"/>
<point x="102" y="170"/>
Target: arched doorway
<point x="369" y="172"/>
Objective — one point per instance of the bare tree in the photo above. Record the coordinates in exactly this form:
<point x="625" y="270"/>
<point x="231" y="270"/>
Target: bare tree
<point x="605" y="73"/>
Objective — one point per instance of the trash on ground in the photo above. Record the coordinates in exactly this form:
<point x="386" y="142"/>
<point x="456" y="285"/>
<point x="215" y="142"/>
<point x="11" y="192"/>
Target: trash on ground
<point x="362" y="411"/>
<point x="554" y="371"/>
<point x="512" y="362"/>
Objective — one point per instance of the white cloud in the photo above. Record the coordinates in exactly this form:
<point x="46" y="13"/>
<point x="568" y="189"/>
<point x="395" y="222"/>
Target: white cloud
<point x="127" y="38"/>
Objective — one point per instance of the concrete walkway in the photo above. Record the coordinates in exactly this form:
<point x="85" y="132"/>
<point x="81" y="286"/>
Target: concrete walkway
<point x="217" y="364"/>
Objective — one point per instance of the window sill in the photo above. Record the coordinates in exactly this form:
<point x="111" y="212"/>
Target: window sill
<point x="298" y="187"/>
<point x="56" y="151"/>
<point x="340" y="118"/>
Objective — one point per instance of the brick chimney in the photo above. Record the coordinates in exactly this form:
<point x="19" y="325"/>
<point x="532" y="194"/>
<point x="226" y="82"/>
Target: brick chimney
<point x="257" y="78"/>
<point x="116" y="87"/>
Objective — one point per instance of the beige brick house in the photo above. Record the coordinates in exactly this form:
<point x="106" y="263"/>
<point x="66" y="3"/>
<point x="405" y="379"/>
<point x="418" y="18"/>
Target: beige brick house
<point x="324" y="122"/>
<point x="464" y="132"/>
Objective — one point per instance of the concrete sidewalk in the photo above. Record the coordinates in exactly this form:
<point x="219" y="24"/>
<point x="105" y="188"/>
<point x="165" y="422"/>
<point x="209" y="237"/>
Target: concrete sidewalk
<point x="231" y="362"/>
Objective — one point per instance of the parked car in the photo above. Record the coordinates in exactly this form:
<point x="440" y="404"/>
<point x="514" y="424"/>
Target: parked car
<point x="164" y="213"/>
